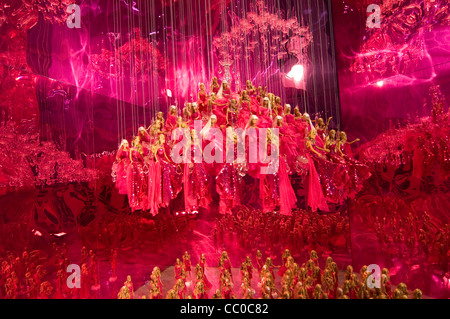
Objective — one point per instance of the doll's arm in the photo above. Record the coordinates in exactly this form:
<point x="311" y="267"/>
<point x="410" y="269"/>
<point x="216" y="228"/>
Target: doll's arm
<point x="356" y="140"/>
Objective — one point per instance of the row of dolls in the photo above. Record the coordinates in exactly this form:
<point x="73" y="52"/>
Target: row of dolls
<point x="308" y="281"/>
<point x="251" y="228"/>
<point x="147" y="173"/>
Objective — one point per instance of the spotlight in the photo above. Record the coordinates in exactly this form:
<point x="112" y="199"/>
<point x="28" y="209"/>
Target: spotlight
<point x="195" y="212"/>
<point x="176" y="214"/>
<point x="169" y="93"/>
<point x="36" y="232"/>
<point x="296" y="73"/>
<point x="380" y="83"/>
<point x="183" y="213"/>
<point x="60" y="234"/>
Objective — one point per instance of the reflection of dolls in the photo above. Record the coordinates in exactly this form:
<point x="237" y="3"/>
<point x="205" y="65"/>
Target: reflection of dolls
<point x="156" y="278"/>
<point x="202" y="264"/>
<point x="129" y="284"/>
<point x="314" y="257"/>
<point x="93" y="265"/>
<point x="417" y="294"/>
<point x="179" y="270"/>
<point x="318" y="293"/>
<point x="84" y="255"/>
<point x="31" y="286"/>
<point x="172" y="294"/>
<point x="84" y="280"/>
<point x="124" y="293"/>
<point x="113" y="261"/>
<point x="227" y="289"/>
<point x="259" y="261"/>
<point x="10" y="289"/>
<point x="46" y="290"/>
<point x="187" y="263"/>
<point x="181" y="288"/>
<point x="199" y="290"/>
<point x="60" y="284"/>
<point x="249" y="265"/>
<point x="226" y="262"/>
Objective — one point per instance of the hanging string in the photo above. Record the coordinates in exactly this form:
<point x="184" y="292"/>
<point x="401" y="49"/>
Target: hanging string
<point x="322" y="48"/>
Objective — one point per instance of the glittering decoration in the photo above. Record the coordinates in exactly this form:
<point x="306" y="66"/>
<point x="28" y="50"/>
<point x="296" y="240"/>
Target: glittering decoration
<point x="24" y="162"/>
<point x="266" y="32"/>
<point x="136" y="57"/>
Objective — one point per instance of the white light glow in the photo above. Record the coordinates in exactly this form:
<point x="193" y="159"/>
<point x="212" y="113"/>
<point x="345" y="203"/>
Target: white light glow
<point x="296" y="73"/>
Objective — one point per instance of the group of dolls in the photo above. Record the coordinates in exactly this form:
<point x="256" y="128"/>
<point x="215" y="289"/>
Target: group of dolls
<point x="27" y="276"/>
<point x="305" y="281"/>
<point x="250" y="228"/>
<point x="38" y="275"/>
<point x="147" y="173"/>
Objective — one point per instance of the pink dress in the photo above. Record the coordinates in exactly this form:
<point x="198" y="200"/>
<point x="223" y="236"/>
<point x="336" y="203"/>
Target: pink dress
<point x="171" y="122"/>
<point x="196" y="186"/>
<point x="202" y="103"/>
<point x="289" y="118"/>
<point x="265" y="119"/>
<point x="229" y="186"/>
<point x="244" y="113"/>
<point x="218" y="111"/>
<point x="215" y="88"/>
<point x="233" y="118"/>
<point x="276" y="190"/>
<point x="279" y="109"/>
<point x="136" y="182"/>
<point x="214" y="145"/>
<point x="333" y="177"/>
<point x="178" y="272"/>
<point x="208" y="285"/>
<point x="319" y="138"/>
<point x="164" y="182"/>
<point x="314" y="193"/>
<point x="289" y="142"/>
<point x="357" y="173"/>
<point x="195" y="116"/>
<point x="255" y="107"/>
<point x="252" y="140"/>
<point x="121" y="170"/>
